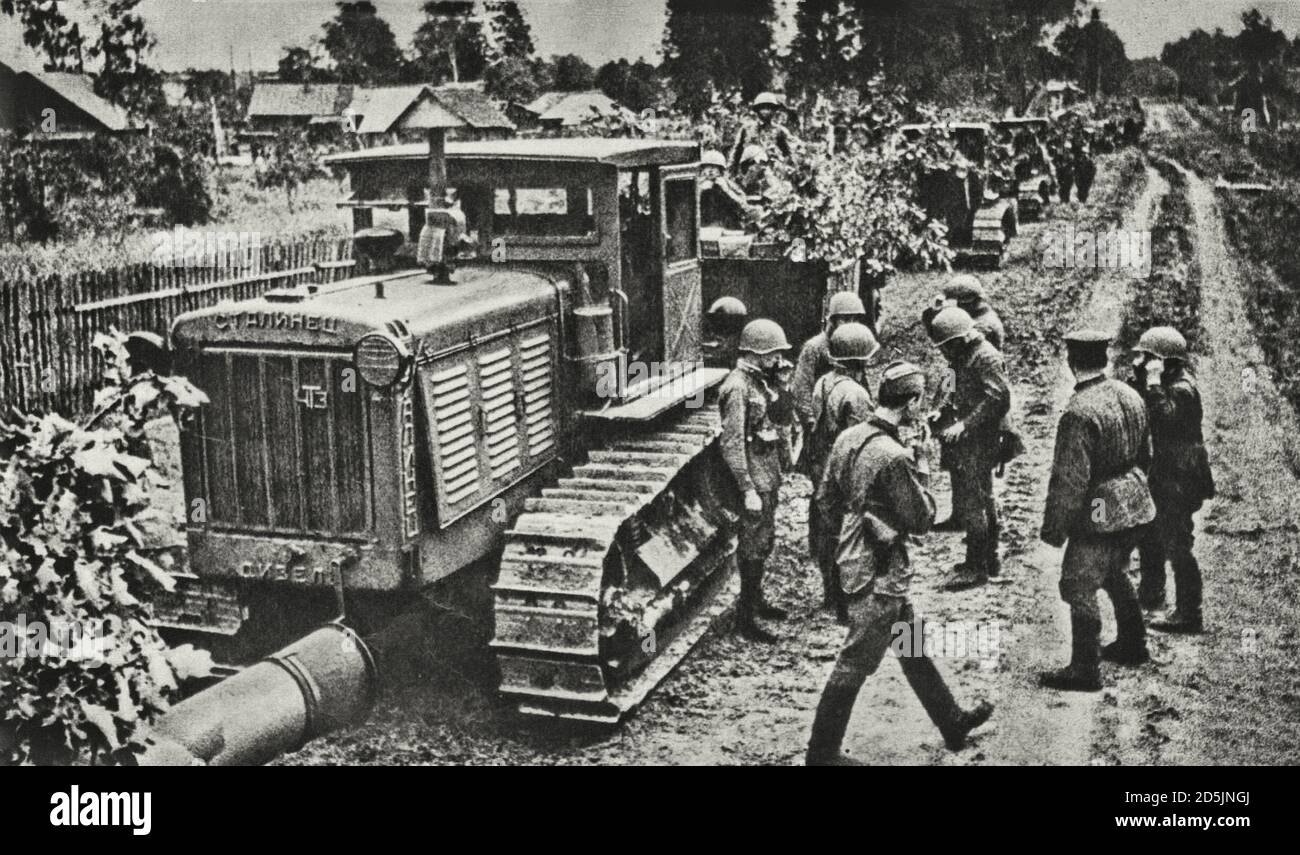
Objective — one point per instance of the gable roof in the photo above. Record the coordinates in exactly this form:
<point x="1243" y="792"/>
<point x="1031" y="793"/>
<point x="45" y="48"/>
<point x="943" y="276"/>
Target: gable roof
<point x="296" y="99"/>
<point x="574" y="108"/>
<point x="381" y="109"/>
<point x="78" y="89"/>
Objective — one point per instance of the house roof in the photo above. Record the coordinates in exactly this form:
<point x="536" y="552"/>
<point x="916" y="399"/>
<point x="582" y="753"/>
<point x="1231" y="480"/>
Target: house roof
<point x="78" y="89"/>
<point x="296" y="99"/>
<point x="380" y="109"/>
<point x="574" y="108"/>
<point x="614" y="152"/>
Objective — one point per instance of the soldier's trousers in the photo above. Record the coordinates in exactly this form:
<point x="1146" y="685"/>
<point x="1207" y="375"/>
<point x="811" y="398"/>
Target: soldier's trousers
<point x="1170" y="538"/>
<point x="1095" y="563"/>
<point x="758" y="530"/>
<point x="1084" y="181"/>
<point x="875" y="620"/>
<point x="973" y="504"/>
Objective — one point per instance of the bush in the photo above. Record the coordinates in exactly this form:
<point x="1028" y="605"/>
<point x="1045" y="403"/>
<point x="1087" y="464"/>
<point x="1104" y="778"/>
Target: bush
<point x="80" y="667"/>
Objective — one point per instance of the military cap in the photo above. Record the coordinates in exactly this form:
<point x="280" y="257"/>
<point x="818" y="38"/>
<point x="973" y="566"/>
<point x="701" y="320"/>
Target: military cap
<point x="1087" y="337"/>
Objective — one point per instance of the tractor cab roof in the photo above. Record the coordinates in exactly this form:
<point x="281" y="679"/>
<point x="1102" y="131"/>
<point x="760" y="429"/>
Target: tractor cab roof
<point x="620" y="153"/>
<point x="483" y="299"/>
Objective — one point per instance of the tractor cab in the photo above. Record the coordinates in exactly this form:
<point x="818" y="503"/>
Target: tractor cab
<point x="623" y="214"/>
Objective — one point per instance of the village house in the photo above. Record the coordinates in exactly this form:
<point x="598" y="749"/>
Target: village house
<point x="553" y="112"/>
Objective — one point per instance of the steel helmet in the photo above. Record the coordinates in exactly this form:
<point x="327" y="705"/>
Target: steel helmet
<point x="951" y="323"/>
<point x="767" y="99"/>
<point x="762" y="337"/>
<point x="1164" y="342"/>
<point x="965" y="288"/>
<point x="728" y="307"/>
<point x="845" y="303"/>
<point x="753" y="154"/>
<point x="853" y="344"/>
<point x="713" y="157"/>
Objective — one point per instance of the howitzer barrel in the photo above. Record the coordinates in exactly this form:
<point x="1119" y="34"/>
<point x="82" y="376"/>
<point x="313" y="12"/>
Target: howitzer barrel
<point x="319" y="683"/>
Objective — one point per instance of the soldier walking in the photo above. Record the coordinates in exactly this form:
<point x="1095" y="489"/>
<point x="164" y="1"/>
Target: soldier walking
<point x="840" y="400"/>
<point x="874" y="485"/>
<point x="754" y="407"/>
<point x="969" y="430"/>
<point x="1180" y="477"/>
<point x="1097" y="499"/>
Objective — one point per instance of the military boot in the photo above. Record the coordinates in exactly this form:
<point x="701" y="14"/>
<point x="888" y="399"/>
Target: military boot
<point x="1130" y="645"/>
<point x="993" y="552"/>
<point x="949" y="523"/>
<point x="972" y="572"/>
<point x="1186" y="617"/>
<point x="1083" y="674"/>
<point x="747" y="624"/>
<point x="1151" y="588"/>
<point x="954" y="723"/>
<point x="833" y="713"/>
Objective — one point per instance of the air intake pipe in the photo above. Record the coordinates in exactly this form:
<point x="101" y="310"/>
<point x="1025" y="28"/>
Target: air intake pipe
<point x="323" y="681"/>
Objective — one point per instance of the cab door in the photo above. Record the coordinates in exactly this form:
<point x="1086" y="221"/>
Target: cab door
<point x="679" y="213"/>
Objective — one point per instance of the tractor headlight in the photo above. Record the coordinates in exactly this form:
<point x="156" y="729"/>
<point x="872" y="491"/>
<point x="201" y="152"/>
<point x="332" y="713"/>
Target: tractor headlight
<point x="380" y="360"/>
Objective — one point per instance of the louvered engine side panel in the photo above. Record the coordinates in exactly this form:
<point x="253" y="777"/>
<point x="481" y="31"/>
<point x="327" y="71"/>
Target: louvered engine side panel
<point x="536" y="374"/>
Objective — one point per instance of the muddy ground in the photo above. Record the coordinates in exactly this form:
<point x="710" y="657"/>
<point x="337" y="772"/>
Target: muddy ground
<point x="1229" y="696"/>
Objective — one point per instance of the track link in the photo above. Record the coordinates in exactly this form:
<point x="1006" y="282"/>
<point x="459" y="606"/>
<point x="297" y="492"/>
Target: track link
<point x="607" y="578"/>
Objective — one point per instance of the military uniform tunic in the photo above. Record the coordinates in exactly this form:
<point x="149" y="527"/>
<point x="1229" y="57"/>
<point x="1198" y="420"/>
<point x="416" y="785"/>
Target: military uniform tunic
<point x="814" y="361"/>
<point x="981" y="399"/>
<point x="753" y="449"/>
<point x="839" y="403"/>
<point x="1103" y="433"/>
<point x="870" y="472"/>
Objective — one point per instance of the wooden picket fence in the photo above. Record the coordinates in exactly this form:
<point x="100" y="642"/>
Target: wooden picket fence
<point x="48" y="323"/>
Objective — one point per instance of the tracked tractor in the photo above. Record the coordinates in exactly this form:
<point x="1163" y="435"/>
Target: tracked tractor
<point x="975" y="203"/>
<point x="513" y="387"/>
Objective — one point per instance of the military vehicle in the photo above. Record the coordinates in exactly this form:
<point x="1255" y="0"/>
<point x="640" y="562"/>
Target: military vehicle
<point x="1035" y="174"/>
<point x="513" y="390"/>
<point x="976" y="204"/>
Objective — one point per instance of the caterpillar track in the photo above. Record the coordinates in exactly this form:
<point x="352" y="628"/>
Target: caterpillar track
<point x="611" y="576"/>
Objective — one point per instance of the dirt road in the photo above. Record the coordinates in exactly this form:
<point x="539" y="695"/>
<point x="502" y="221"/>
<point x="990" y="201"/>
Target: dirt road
<point x="1228" y="696"/>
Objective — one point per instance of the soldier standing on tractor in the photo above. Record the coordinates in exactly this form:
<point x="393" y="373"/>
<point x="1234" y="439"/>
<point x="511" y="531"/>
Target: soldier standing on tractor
<point x="754" y="408"/>
<point x="722" y="201"/>
<point x="1097" y="499"/>
<point x="1180" y="476"/>
<point x="765" y="131"/>
<point x="840" y="400"/>
<point x="969" y="428"/>
<point x="874" y="484"/>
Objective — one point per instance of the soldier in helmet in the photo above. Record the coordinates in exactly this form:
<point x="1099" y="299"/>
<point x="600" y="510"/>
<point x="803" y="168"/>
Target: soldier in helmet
<point x="840" y="400"/>
<point x="874" y="485"/>
<point x="723" y="324"/>
<point x="815" y="356"/>
<point x="722" y="201"/>
<point x="967" y="293"/>
<point x="765" y="132"/>
<point x="969" y="429"/>
<point x="1180" y="476"/>
<point x="1097" y="499"/>
<point x="753" y="406"/>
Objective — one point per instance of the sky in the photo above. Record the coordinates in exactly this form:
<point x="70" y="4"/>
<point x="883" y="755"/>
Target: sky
<point x="207" y="33"/>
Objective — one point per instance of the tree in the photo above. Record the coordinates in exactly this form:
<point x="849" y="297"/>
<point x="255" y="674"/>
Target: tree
<point x="116" y="54"/>
<point x="635" y="85"/>
<point x="449" y="44"/>
<point x="1259" y="45"/>
<point x="362" y="45"/>
<point x="302" y="65"/>
<point x="826" y="43"/>
<point x="1094" y="55"/>
<point x="572" y="73"/>
<point x="291" y="164"/>
<point x="511" y="35"/>
<point x="513" y="79"/>
<point x="714" y="46"/>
